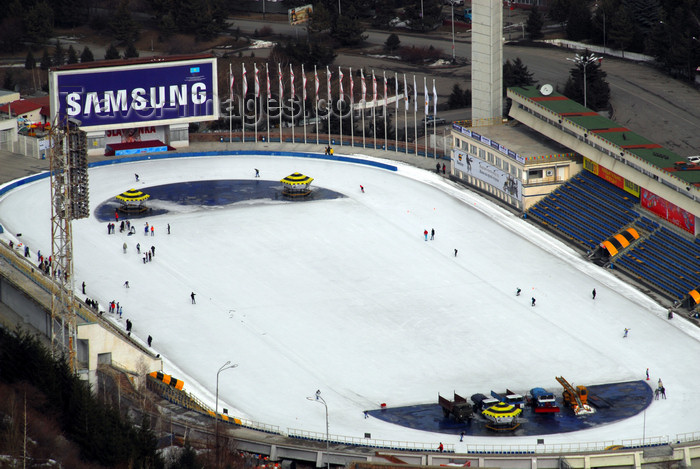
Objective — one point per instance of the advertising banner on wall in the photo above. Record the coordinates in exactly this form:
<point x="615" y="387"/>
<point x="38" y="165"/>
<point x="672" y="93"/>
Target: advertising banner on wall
<point x="300" y="14"/>
<point x="488" y="173"/>
<point x="613" y="178"/>
<point x="668" y="211"/>
<point x="154" y="93"/>
<point x="136" y="134"/>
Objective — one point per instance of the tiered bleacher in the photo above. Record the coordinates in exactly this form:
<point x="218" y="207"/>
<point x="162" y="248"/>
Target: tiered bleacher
<point x="588" y="210"/>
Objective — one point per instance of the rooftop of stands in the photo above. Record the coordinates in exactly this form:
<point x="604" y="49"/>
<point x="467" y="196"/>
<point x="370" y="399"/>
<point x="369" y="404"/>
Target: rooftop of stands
<point x="609" y="130"/>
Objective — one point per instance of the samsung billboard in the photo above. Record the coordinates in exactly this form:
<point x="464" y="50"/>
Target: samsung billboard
<point x="159" y="92"/>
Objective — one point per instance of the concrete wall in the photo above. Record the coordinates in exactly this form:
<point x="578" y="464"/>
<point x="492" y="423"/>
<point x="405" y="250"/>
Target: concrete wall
<point x="487" y="59"/>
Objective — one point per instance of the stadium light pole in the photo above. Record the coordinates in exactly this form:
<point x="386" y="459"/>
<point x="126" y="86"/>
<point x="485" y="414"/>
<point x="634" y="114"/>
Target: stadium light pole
<point x="225" y="366"/>
<point x="584" y="60"/>
<point x="320" y="399"/>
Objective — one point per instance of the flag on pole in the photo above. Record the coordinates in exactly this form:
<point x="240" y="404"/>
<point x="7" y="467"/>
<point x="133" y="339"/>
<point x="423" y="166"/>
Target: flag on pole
<point x="386" y="90"/>
<point x="340" y="82"/>
<point x="230" y="72"/>
<point x="352" y="89"/>
<point x="291" y="78"/>
<point x="267" y="79"/>
<point x="434" y="99"/>
<point x="328" y="79"/>
<point x="364" y="86"/>
<point x="245" y="83"/>
<point x="427" y="98"/>
<point x="374" y="89"/>
<point x="257" y="82"/>
<point x="318" y="85"/>
<point x="279" y="75"/>
<point x="303" y="83"/>
<point x="405" y="91"/>
<point x="415" y="95"/>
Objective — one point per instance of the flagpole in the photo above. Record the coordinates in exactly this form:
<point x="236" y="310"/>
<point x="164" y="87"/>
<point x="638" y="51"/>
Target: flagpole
<point x="257" y="88"/>
<point x="316" y="111"/>
<point x="281" y="100"/>
<point x="385" y="93"/>
<point x="291" y="96"/>
<point x="374" y="106"/>
<point x="405" y="115"/>
<point x="425" y="111"/>
<point x="245" y="90"/>
<point x="396" y="112"/>
<point x="267" y="102"/>
<point x="434" y="120"/>
<point x="328" y="106"/>
<point x="303" y="98"/>
<point x="415" y="115"/>
<point x="230" y="107"/>
<point x="340" y="100"/>
<point x="364" y="89"/>
<point x="352" y="110"/>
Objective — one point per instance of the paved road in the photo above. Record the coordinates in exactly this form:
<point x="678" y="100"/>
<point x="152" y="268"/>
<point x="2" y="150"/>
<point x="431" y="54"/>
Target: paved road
<point x="664" y="110"/>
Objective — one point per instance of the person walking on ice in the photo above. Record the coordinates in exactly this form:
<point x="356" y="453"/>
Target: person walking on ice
<point x="126" y="284"/>
<point x="517" y="291"/>
<point x="455" y="252"/>
<point x="137" y="177"/>
<point x="425" y="234"/>
<point x="362" y="188"/>
<point x="625" y="336"/>
<point x="124" y="248"/>
<point x="593" y="293"/>
<point x="533" y="301"/>
<point x="192" y="296"/>
<point x="432" y="234"/>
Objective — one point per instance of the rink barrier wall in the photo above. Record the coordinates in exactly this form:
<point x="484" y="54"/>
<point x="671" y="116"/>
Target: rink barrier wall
<point x="339" y="158"/>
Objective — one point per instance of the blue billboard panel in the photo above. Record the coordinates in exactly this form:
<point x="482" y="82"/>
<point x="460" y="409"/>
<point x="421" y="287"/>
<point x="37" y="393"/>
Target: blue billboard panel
<point x="152" y="93"/>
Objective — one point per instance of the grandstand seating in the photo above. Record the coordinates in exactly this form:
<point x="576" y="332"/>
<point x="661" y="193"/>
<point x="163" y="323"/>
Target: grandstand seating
<point x="588" y="210"/>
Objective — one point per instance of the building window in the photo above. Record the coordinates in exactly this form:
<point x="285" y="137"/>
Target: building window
<point x="472" y="149"/>
<point x="482" y="153"/>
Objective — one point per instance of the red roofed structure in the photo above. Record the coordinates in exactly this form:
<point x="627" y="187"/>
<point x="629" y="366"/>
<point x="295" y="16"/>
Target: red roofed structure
<point x="32" y="109"/>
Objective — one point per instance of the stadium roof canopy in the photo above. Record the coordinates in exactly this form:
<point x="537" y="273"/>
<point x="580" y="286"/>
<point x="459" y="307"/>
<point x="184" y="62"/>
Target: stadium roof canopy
<point x="609" y="130"/>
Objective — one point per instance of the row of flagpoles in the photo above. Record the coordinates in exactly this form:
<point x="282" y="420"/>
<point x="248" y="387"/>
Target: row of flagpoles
<point x="362" y="105"/>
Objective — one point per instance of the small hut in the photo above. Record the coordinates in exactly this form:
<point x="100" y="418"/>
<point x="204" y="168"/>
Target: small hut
<point x="296" y="185"/>
<point x="132" y="201"/>
<point x="502" y="417"/>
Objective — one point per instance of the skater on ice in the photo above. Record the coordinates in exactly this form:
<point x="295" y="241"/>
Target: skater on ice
<point x="257" y="173"/>
<point x="432" y="234"/>
<point x="425" y="234"/>
<point x="137" y="177"/>
<point x="362" y="188"/>
<point x="517" y="291"/>
<point x="625" y="336"/>
<point x="126" y="284"/>
<point x="533" y="301"/>
<point x="192" y="296"/>
<point x="593" y="293"/>
<point x="455" y="252"/>
<point x="168" y="228"/>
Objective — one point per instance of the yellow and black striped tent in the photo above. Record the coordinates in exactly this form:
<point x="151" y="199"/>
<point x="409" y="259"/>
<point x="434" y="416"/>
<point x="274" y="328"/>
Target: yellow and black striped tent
<point x="620" y="241"/>
<point x="167" y="379"/>
<point x="296" y="185"/>
<point x="132" y="196"/>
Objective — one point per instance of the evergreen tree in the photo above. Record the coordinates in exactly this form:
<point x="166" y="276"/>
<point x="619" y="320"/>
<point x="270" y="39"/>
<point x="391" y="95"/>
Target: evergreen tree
<point x="578" y="25"/>
<point x="597" y="96"/>
<point x="72" y="55"/>
<point x="38" y="22"/>
<point x="45" y="63"/>
<point x="515" y="73"/>
<point x="320" y="20"/>
<point x="348" y="31"/>
<point x="622" y="28"/>
<point x="112" y="53"/>
<point x="559" y="10"/>
<point x="534" y="24"/>
<point x="30" y="61"/>
<point x="167" y="26"/>
<point x="86" y="55"/>
<point x="59" y="54"/>
<point x="11" y="34"/>
<point x="187" y="457"/>
<point x="122" y="24"/>
<point x="130" y="52"/>
<point x="392" y="43"/>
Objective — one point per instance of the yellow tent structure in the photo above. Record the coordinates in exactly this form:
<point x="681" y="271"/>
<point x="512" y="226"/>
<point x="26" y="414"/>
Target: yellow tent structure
<point x="132" y="200"/>
<point x="502" y="416"/>
<point x="296" y="185"/>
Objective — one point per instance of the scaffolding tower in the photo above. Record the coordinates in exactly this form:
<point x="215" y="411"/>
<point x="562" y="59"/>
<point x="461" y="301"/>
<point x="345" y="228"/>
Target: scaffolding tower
<point x="69" y="201"/>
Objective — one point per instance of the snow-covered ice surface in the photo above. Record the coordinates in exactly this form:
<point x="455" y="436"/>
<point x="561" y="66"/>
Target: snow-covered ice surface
<point x="345" y="296"/>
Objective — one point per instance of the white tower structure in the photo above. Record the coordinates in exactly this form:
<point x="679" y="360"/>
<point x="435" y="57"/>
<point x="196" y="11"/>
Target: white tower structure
<point x="487" y="59"/>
